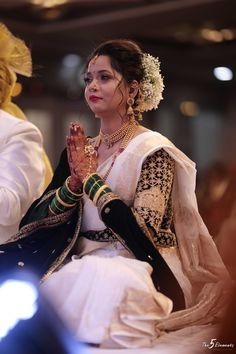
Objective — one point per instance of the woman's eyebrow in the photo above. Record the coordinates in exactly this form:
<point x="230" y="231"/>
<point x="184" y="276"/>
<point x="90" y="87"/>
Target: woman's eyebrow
<point x="99" y="72"/>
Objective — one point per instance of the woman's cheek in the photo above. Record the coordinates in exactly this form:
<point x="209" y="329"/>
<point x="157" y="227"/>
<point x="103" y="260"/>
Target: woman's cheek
<point x="86" y="96"/>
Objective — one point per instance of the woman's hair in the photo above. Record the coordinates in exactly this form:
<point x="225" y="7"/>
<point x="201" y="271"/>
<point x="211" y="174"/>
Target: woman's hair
<point x="125" y="57"/>
<point x="132" y="63"/>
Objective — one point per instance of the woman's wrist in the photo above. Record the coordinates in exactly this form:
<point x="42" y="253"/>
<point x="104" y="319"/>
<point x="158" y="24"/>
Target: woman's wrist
<point x="93" y="186"/>
<point x="65" y="198"/>
<point x="97" y="190"/>
<point x="74" y="184"/>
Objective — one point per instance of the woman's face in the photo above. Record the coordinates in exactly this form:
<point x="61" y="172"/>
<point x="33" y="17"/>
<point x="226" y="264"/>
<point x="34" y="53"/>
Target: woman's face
<point x="106" y="92"/>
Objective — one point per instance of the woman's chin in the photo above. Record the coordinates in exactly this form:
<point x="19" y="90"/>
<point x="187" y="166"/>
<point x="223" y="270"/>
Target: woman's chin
<point x="99" y="113"/>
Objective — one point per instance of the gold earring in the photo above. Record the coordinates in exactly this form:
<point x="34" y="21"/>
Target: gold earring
<point x="130" y="110"/>
<point x="137" y="111"/>
<point x="138" y="114"/>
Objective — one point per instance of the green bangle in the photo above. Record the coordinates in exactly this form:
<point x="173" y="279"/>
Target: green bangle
<point x="50" y="209"/>
<point x="65" y="197"/>
<point x="63" y="202"/>
<point x="95" y="187"/>
<point x="90" y="181"/>
<point x="101" y="191"/>
<point x="69" y="191"/>
<point x="59" y="205"/>
<point x="56" y="207"/>
<point x="88" y="177"/>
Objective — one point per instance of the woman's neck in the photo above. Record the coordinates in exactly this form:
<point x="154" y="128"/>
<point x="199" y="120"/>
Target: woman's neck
<point x="109" y="126"/>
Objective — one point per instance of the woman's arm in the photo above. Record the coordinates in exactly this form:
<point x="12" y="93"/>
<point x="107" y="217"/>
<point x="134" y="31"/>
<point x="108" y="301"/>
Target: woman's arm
<point x="74" y="162"/>
<point x="152" y="204"/>
<point x="61" y="173"/>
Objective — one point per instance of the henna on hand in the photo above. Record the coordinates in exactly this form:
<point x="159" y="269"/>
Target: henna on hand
<point x="82" y="159"/>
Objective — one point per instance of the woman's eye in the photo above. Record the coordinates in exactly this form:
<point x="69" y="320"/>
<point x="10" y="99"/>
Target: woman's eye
<point x="87" y="80"/>
<point x="105" y="77"/>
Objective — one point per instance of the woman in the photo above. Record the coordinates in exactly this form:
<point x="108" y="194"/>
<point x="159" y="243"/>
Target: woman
<point x="111" y="205"/>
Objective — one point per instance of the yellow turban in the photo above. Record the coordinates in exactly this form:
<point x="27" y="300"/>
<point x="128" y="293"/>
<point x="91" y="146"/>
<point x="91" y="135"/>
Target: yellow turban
<point x="15" y="58"/>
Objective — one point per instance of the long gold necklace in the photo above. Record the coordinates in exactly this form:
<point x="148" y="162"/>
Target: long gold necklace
<point x="110" y="139"/>
<point x="126" y="139"/>
<point x="94" y="143"/>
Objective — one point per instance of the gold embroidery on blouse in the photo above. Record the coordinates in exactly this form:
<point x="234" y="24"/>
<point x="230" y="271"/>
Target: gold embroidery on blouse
<point x="150" y="199"/>
<point x="152" y="204"/>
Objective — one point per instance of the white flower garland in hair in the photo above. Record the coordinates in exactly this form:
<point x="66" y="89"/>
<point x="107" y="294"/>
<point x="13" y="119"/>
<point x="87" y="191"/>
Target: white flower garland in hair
<point x="151" y="86"/>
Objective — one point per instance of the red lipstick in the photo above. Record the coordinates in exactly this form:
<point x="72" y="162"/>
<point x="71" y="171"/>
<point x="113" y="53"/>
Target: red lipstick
<point x="94" y="98"/>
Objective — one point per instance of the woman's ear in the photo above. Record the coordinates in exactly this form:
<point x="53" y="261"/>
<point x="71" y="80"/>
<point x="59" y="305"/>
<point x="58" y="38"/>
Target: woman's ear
<point x="133" y="88"/>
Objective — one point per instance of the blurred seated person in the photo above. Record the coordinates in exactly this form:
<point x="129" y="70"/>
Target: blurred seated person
<point x="17" y="59"/>
<point x="22" y="168"/>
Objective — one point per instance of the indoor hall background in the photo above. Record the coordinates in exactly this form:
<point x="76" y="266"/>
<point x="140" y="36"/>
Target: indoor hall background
<point x="191" y="38"/>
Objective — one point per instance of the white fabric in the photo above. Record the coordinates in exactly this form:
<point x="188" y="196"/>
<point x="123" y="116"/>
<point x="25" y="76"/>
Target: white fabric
<point x="189" y="340"/>
<point x="111" y="249"/>
<point x="94" y="223"/>
<point x="109" y="299"/>
<point x="199" y="256"/>
<point x="89" y="292"/>
<point x="21" y="171"/>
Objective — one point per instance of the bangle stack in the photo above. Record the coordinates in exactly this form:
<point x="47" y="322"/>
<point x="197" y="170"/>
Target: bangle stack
<point x="64" y="199"/>
<point x="94" y="187"/>
<point x="104" y="200"/>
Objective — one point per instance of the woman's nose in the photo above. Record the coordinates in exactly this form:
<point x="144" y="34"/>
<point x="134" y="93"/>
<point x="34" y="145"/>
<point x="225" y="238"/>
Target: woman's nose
<point x="93" y="86"/>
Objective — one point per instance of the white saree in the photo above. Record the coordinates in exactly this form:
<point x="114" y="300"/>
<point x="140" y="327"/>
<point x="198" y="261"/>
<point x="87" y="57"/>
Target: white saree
<point x="107" y="297"/>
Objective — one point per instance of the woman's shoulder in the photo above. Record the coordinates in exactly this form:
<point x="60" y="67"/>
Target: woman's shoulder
<point x="140" y="130"/>
<point x="147" y="139"/>
<point x="147" y="142"/>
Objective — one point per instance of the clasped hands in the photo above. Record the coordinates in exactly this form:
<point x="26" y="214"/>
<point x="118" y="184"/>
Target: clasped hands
<point x="82" y="158"/>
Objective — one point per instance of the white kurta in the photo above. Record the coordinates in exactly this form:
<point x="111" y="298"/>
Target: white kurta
<point x="21" y="171"/>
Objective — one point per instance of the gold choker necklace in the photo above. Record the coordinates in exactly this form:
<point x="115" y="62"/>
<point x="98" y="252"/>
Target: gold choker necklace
<point x="110" y="139"/>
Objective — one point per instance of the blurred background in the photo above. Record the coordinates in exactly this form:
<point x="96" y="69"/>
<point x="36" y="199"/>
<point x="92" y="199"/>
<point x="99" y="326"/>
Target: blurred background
<point x="195" y="41"/>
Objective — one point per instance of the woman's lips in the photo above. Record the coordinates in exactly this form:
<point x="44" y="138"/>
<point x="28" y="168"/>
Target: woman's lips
<point x="94" y="98"/>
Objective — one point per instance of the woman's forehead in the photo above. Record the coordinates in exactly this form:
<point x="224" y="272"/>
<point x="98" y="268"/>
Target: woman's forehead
<point x="100" y="63"/>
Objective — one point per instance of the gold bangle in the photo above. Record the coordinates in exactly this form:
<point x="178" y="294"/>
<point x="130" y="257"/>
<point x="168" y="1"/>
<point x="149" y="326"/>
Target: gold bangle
<point x="67" y="186"/>
<point x="97" y="194"/>
<point x="104" y="200"/>
<point x="51" y="211"/>
<point x="62" y="202"/>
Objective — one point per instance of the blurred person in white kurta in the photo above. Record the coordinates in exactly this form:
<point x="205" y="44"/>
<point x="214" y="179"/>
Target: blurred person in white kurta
<point x="15" y="58"/>
<point x="21" y="171"/>
<point x="22" y="168"/>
